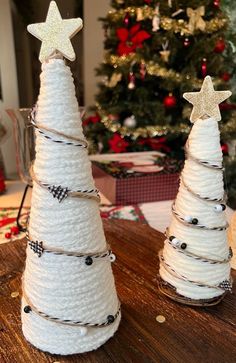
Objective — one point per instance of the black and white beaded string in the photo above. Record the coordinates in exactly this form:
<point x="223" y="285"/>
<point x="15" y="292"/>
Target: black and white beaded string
<point x="225" y="285"/>
<point x="62" y="193"/>
<point x="194" y="223"/>
<point x="110" y="319"/>
<point x="181" y="247"/>
<point x="45" y="130"/>
<point x="38" y="248"/>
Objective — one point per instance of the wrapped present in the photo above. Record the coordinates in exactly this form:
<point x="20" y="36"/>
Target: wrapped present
<point x="132" y="178"/>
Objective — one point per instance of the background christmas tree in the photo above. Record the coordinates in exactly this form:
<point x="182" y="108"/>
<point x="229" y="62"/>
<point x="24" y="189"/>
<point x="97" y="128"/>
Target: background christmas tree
<point x="153" y="53"/>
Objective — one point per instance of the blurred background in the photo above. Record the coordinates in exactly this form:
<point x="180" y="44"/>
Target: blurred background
<point x="134" y="60"/>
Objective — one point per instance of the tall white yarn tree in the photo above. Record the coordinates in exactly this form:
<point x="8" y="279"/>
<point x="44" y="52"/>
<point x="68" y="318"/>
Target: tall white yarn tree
<point x="195" y="261"/>
<point x="69" y="302"/>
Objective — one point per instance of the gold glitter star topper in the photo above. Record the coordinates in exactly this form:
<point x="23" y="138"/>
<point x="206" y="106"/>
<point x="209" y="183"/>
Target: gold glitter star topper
<point x="55" y="34"/>
<point x="206" y="101"/>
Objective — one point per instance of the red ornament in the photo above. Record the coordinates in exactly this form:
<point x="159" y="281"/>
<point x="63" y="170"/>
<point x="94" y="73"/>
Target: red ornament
<point x="126" y="19"/>
<point x="204" y="68"/>
<point x="216" y="3"/>
<point x="186" y="42"/>
<point x="2" y="183"/>
<point x="118" y="144"/>
<point x="170" y="101"/>
<point x="15" y="230"/>
<point x="225" y="149"/>
<point x="226" y="76"/>
<point x="220" y="46"/>
<point x="130" y="39"/>
<point x="8" y="235"/>
<point x="143" y="70"/>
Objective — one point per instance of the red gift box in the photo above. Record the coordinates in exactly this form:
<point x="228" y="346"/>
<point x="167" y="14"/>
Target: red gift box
<point x="123" y="182"/>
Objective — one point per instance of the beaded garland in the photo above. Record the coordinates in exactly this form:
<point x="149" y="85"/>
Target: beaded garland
<point x="39" y="248"/>
<point x="30" y="308"/>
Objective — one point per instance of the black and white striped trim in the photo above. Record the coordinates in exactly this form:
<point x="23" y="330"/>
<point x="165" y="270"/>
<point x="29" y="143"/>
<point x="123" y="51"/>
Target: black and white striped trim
<point x="61" y="193"/>
<point x="208" y="199"/>
<point x="110" y="319"/>
<point x="82" y="143"/>
<point x="39" y="249"/>
<point x="198" y="226"/>
<point x="201" y="258"/>
<point x="205" y="163"/>
<point x="225" y="285"/>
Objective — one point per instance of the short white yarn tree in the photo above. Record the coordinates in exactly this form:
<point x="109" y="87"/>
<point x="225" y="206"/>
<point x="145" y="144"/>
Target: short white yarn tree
<point x="195" y="261"/>
<point x="69" y="302"/>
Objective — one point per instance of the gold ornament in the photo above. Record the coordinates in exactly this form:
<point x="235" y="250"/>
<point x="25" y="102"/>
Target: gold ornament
<point x="176" y="25"/>
<point x="139" y="14"/>
<point x="206" y="101"/>
<point x="195" y="19"/>
<point x="115" y="78"/>
<point x="55" y="34"/>
<point x="154" y="69"/>
<point x="165" y="54"/>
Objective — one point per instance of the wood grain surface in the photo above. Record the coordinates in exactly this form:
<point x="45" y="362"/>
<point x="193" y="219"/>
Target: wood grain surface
<point x="201" y="335"/>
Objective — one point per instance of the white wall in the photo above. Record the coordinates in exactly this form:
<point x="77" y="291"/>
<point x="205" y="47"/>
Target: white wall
<point x="8" y="79"/>
<point x="93" y="45"/>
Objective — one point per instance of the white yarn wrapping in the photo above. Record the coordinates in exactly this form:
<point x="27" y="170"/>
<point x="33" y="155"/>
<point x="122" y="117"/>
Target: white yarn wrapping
<point x="204" y="144"/>
<point x="62" y="286"/>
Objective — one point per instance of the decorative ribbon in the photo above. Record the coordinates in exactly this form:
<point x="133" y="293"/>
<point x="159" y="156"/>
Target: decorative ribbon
<point x="195" y="19"/>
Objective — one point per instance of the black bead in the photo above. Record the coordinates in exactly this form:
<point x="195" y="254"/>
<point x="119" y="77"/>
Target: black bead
<point x="223" y="206"/>
<point x="27" y="309"/>
<point x="110" y="319"/>
<point x="194" y="221"/>
<point x="88" y="261"/>
<point x="171" y="238"/>
<point x="183" y="246"/>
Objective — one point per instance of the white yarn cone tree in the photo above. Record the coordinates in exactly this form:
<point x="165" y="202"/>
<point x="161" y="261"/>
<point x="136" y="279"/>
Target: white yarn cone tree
<point x="69" y="302"/>
<point x="195" y="261"/>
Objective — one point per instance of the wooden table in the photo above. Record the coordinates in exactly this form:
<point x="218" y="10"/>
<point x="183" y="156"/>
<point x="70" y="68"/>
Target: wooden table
<point x="188" y="335"/>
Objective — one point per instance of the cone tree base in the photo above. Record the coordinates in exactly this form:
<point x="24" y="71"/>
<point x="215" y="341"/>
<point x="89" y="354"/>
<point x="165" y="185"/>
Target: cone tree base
<point x="169" y="290"/>
<point x="71" y="349"/>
